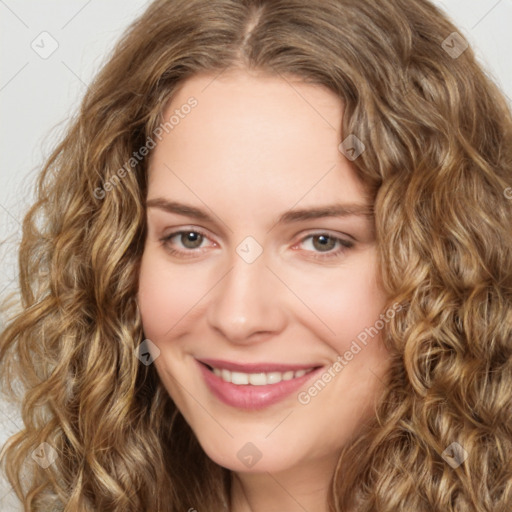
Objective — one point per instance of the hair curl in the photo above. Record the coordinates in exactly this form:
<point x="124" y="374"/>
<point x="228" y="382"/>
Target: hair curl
<point x="438" y="137"/>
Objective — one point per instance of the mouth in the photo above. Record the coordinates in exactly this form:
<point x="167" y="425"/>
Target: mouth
<point x="254" y="386"/>
<point x="257" y="378"/>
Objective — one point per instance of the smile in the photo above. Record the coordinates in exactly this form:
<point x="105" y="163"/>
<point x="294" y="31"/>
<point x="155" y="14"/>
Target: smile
<point x="253" y="386"/>
<point x="258" y="379"/>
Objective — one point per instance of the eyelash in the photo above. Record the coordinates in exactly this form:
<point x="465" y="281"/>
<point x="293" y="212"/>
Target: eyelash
<point x="344" y="245"/>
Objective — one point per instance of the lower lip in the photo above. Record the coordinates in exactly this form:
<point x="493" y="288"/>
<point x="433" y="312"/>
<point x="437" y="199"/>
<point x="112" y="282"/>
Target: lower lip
<point x="252" y="397"/>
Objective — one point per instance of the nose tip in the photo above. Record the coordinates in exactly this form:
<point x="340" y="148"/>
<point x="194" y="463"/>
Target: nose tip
<point x="245" y="306"/>
<point x="242" y="330"/>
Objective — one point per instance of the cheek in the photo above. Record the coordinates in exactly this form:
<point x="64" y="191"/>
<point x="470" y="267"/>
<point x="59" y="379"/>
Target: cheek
<point x="345" y="301"/>
<point x="166" y="294"/>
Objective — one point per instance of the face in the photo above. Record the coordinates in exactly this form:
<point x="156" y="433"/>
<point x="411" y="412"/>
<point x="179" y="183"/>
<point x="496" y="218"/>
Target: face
<point x="259" y="273"/>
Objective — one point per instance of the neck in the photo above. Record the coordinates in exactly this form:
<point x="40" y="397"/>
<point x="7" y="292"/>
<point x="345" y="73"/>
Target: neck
<point x="293" y="490"/>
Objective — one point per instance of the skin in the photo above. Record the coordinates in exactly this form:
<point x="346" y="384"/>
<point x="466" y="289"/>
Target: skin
<point x="255" y="147"/>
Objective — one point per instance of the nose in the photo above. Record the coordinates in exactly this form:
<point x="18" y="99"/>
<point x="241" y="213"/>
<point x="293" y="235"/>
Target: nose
<point x="246" y="305"/>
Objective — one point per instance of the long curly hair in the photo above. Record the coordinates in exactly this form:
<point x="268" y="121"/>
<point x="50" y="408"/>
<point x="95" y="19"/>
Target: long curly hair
<point x="438" y="167"/>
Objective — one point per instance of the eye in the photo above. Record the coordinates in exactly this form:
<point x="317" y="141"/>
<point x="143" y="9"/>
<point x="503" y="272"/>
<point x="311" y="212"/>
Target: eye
<point x="325" y="245"/>
<point x="188" y="242"/>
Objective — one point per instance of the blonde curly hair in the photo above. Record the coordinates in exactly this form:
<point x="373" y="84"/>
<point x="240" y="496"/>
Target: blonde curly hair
<point x="438" y="163"/>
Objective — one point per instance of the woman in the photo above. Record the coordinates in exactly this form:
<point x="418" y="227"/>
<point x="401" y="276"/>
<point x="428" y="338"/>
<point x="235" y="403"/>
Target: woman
<point x="270" y="269"/>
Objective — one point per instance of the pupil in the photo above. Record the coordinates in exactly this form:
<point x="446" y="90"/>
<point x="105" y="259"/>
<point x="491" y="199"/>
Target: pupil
<point x="324" y="243"/>
<point x="190" y="240"/>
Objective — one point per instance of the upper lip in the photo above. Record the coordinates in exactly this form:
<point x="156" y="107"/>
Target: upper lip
<point x="256" y="367"/>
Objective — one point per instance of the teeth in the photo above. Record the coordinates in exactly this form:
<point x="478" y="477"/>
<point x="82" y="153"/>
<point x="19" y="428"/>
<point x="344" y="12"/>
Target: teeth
<point x="239" y="378"/>
<point x="258" y="379"/>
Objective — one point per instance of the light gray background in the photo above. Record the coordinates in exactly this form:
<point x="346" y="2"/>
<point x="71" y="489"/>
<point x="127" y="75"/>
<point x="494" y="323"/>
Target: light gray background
<point x="39" y="95"/>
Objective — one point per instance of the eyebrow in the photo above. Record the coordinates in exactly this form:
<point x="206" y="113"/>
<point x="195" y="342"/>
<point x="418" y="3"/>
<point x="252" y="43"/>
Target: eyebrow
<point x="334" y="210"/>
<point x="289" y="217"/>
<point x="178" y="208"/>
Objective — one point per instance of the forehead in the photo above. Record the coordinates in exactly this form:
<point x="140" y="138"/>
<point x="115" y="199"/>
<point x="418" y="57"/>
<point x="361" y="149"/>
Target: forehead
<point x="256" y="137"/>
